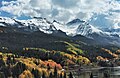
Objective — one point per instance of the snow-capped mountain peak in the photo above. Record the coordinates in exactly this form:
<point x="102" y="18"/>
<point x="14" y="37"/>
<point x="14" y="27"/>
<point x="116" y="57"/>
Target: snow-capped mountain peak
<point x="6" y="21"/>
<point x="35" y="24"/>
<point x="72" y="28"/>
<point x="80" y="27"/>
<point x="75" y="21"/>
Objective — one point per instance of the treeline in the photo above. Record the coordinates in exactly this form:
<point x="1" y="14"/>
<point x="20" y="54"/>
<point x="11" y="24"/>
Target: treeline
<point x="14" y="66"/>
<point x="63" y="58"/>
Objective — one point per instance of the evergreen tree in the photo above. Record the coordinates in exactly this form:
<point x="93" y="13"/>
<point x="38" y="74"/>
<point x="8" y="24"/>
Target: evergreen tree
<point x="2" y="63"/>
<point x="37" y="62"/>
<point x="8" y="62"/>
<point x="18" y="69"/>
<point x="48" y="67"/>
<point x="65" y="75"/>
<point x="55" y="72"/>
<point x="51" y="75"/>
<point x="36" y="73"/>
<point x="2" y="75"/>
<point x="43" y="75"/>
<point x="13" y="60"/>
<point x="106" y="75"/>
<point x="70" y="75"/>
<point x="91" y="76"/>
<point x="6" y="71"/>
<point x="61" y="75"/>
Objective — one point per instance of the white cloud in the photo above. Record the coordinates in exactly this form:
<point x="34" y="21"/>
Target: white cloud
<point x="65" y="10"/>
<point x="94" y="5"/>
<point x="63" y="16"/>
<point x="40" y="4"/>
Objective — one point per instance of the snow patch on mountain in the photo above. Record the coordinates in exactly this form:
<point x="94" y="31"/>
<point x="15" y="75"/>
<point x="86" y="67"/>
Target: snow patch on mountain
<point x="6" y="20"/>
<point x="72" y="28"/>
<point x="80" y="27"/>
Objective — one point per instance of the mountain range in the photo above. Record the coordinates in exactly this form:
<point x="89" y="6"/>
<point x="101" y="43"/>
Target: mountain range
<point x="76" y="29"/>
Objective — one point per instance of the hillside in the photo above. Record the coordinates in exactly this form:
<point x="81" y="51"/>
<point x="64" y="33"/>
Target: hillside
<point x="14" y="39"/>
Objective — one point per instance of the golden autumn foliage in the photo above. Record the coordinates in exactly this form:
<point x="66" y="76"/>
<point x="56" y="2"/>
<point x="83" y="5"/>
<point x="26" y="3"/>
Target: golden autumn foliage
<point x="101" y="58"/>
<point x="56" y="55"/>
<point x="118" y="51"/>
<point x="111" y="53"/>
<point x="51" y="63"/>
<point x="75" y="59"/>
<point x="26" y="74"/>
<point x="25" y="65"/>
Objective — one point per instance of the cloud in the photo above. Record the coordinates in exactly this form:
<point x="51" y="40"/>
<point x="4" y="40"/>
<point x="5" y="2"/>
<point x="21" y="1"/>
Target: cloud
<point x="84" y="15"/>
<point x="101" y="20"/>
<point x="65" y="3"/>
<point x="65" y="10"/>
<point x="63" y="16"/>
<point x="54" y="13"/>
<point x="40" y="4"/>
<point x="94" y="5"/>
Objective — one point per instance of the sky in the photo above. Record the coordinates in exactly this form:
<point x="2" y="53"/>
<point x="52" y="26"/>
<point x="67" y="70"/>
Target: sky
<point x="100" y="13"/>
